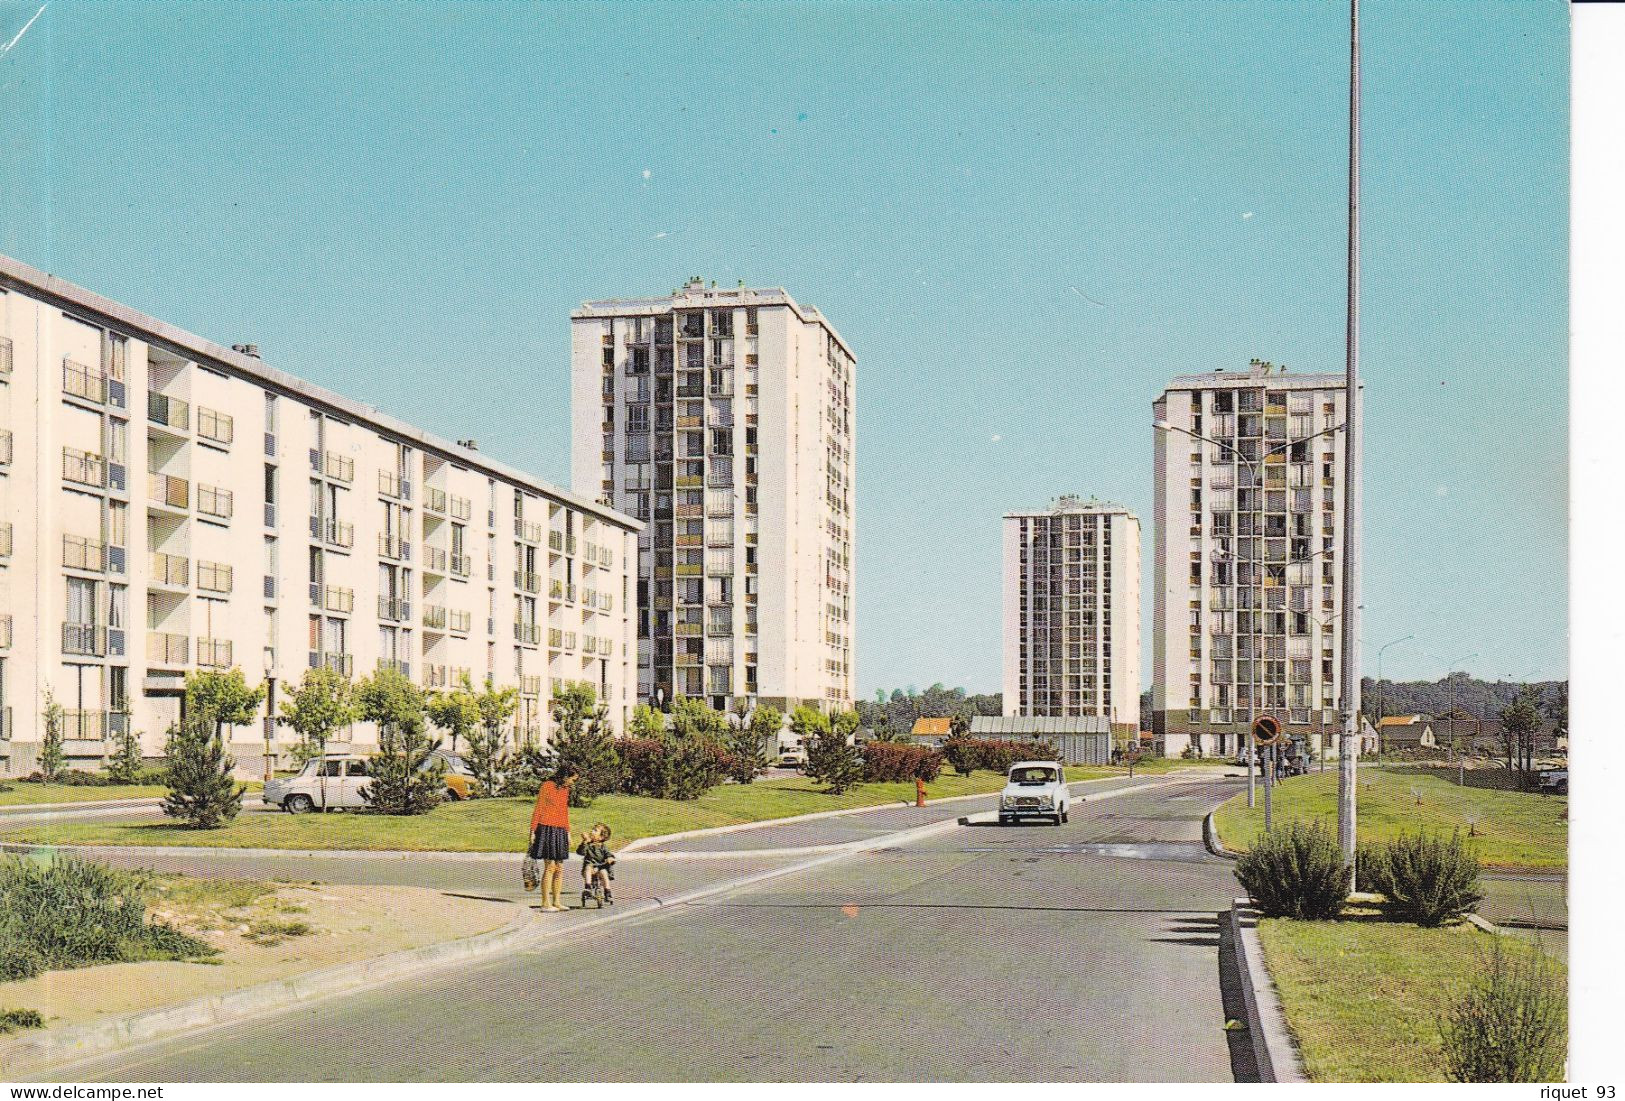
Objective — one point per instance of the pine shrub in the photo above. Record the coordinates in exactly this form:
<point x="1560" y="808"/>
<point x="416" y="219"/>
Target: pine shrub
<point x="198" y="772"/>
<point x="1431" y="879"/>
<point x="404" y="778"/>
<point x="524" y="769"/>
<point x="1511" y="1024"/>
<point x="126" y="766"/>
<point x="834" y="761"/>
<point x="1296" y="871"/>
<point x="582" y="741"/>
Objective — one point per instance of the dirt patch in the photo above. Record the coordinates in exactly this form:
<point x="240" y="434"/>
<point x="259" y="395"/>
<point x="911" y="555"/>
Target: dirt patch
<point x="264" y="931"/>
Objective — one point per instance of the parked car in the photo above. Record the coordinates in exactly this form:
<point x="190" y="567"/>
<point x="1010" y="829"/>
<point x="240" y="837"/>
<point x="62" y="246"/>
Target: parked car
<point x="335" y="782"/>
<point x="1555" y="781"/>
<point x="1036" y="789"/>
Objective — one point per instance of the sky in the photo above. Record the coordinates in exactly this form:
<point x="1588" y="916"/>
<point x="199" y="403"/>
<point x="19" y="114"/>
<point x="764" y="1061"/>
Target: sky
<point x="1024" y="219"/>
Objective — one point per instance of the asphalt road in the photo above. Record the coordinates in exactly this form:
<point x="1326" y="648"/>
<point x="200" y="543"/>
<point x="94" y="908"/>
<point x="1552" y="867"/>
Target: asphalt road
<point x="1082" y="952"/>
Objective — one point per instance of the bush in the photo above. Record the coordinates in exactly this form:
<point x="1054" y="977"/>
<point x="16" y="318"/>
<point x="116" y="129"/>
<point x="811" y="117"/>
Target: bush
<point x="1373" y="871"/>
<point x="993" y="754"/>
<point x="644" y="767"/>
<point x="671" y="767"/>
<point x="201" y="790"/>
<point x="76" y="913"/>
<point x="897" y="762"/>
<point x="13" y="1019"/>
<point x="832" y="760"/>
<point x="1297" y="872"/>
<point x="1431" y="879"/>
<point x="525" y="768"/>
<point x="1511" y="1025"/>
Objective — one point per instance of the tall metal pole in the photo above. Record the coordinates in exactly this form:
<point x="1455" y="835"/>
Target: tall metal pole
<point x="1347" y="774"/>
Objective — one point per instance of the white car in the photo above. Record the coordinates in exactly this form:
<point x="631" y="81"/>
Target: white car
<point x="335" y="782"/>
<point x="1036" y="789"/>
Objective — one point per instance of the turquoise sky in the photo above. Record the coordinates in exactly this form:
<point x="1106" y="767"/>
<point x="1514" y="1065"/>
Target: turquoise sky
<point x="403" y="202"/>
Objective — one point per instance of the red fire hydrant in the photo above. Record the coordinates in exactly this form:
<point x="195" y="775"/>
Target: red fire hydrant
<point x="919" y="792"/>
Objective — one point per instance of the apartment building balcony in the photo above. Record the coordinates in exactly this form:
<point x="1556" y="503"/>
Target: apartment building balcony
<point x="85" y="725"/>
<point x="5" y="355"/>
<point x="460" y="508"/>
<point x="436" y="676"/>
<point x="530" y="685"/>
<point x="167" y="649"/>
<point x="214" y="501"/>
<point x="396" y="611"/>
<point x="83" y="468"/>
<point x="589" y="645"/>
<point x="339" y="468"/>
<point x="393" y="485"/>
<point x="527" y="634"/>
<point x="169" y="570"/>
<point x="169" y="492"/>
<point x="529" y="532"/>
<point x="527" y="581"/>
<point x="5" y="631"/>
<point x="338" y="533"/>
<point x="80" y="553"/>
<point x="402" y="667"/>
<point x="720" y="479"/>
<point x="569" y="640"/>
<point x="334" y="598"/>
<point x="555" y="637"/>
<point x="393" y="546"/>
<point x="434" y="499"/>
<point x="434" y="617"/>
<point x="214" y="577"/>
<point x="339" y="662"/>
<point x="5" y="447"/>
<point x="434" y="560"/>
<point x="693" y="421"/>
<point x="6" y="729"/>
<point x="214" y="653"/>
<point x="689" y="569"/>
<point x="216" y="427"/>
<point x="84" y="639"/>
<point x="462" y="565"/>
<point x="459" y="622"/>
<point x="169" y="413"/>
<point x="87" y="383"/>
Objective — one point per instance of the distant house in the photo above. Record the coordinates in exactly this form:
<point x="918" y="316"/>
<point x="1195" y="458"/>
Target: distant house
<point x="1397" y="733"/>
<point x="932" y="732"/>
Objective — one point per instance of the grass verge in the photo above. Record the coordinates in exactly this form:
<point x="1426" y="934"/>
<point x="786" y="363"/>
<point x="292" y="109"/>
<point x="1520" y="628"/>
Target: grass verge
<point x="498" y="825"/>
<point x="1512" y="829"/>
<point x="1364" y="998"/>
<point x="21" y="794"/>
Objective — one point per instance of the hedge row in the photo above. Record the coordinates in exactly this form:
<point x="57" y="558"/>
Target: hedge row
<point x="993" y="754"/>
<point x="894" y="762"/>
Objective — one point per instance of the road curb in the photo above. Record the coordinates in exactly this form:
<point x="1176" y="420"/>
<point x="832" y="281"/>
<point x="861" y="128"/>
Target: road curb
<point x="1275" y="1055"/>
<point x="25" y="809"/>
<point x="1210" y="838"/>
<point x="52" y="1051"/>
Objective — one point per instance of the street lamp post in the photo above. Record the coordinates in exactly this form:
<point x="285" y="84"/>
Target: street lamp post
<point x="1381" y="694"/>
<point x="1347" y="775"/>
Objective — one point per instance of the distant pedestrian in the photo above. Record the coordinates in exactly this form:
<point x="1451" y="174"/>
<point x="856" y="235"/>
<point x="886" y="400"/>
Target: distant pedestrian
<point x="550" y="833"/>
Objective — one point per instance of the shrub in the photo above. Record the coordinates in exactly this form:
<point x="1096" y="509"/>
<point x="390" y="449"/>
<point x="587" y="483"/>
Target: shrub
<point x="1431" y="879"/>
<point x="832" y="760"/>
<point x="1373" y="871"/>
<point x="525" y="768"/>
<point x="1511" y="1024"/>
<point x="201" y="790"/>
<point x="644" y="767"/>
<point x="1296" y="871"/>
<point x="581" y="740"/>
<point x="993" y="754"/>
<point x="895" y="762"/>
<point x="13" y="1019"/>
<point x="71" y="912"/>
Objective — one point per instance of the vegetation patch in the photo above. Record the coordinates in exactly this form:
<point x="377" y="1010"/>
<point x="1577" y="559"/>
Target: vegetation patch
<point x="15" y="1020"/>
<point x="1368" y="1000"/>
<point x="1505" y="828"/>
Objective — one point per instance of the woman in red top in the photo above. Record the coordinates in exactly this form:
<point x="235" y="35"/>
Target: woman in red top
<point x="550" y="834"/>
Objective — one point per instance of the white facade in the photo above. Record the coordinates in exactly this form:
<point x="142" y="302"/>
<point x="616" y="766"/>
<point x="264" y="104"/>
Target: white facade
<point x="1248" y="600"/>
<point x="170" y="504"/>
<point x="1072" y="613"/>
<point x="724" y="419"/>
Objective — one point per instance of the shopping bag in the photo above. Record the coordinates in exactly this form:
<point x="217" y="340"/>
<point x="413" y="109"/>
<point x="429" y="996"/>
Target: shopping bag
<point x="531" y="871"/>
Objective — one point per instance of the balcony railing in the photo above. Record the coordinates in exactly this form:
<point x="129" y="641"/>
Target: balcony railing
<point x="461" y="508"/>
<point x="5" y="447"/>
<point x="214" y="653"/>
<point x="434" y="617"/>
<point x="527" y="580"/>
<point x="169" y="491"/>
<point x="555" y="539"/>
<point x="5" y="355"/>
<point x="164" y="648"/>
<point x="83" y="467"/>
<point x="436" y="676"/>
<point x="341" y="663"/>
<point x="530" y="685"/>
<point x="169" y="412"/>
<point x="529" y="532"/>
<point x="339" y="533"/>
<point x="338" y="467"/>
<point x="86" y="639"/>
<point x="170" y="569"/>
<point x="527" y="633"/>
<point x="394" y="485"/>
<point x="459" y="622"/>
<point x="393" y="546"/>
<point x="79" y="553"/>
<point x="84" y="381"/>
<point x="434" y="499"/>
<point x="462" y="565"/>
<point x="401" y="667"/>
<point x="216" y="426"/>
<point x="434" y="559"/>
<point x="336" y="598"/>
<point x="214" y="577"/>
<point x="5" y="631"/>
<point x="82" y="725"/>
<point x="214" y="501"/>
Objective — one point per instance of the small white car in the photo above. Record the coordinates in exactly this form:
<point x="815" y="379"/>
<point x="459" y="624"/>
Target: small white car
<point x="335" y="782"/>
<point x="1036" y="789"/>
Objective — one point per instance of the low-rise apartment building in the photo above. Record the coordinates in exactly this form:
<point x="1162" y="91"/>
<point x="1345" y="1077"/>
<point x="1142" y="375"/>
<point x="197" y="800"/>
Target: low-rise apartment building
<point x="168" y="504"/>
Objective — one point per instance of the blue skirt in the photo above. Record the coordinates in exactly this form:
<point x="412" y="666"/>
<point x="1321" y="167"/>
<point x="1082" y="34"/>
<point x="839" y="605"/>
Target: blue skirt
<point x="550" y="843"/>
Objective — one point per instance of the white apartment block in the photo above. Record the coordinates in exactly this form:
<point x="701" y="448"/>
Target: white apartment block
<point x="1249" y="547"/>
<point x="1072" y="613"/>
<point x="723" y="419"/>
<point x="168" y="504"/>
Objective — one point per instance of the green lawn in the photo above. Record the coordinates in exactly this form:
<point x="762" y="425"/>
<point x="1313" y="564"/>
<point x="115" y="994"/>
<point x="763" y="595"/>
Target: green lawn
<point x="1156" y="766"/>
<point x="1512" y="829"/>
<point x="1364" y="998"/>
<point x="498" y="825"/>
<point x="22" y="794"/>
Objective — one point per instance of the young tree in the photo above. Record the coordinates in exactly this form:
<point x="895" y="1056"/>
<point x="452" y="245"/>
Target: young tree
<point x="1519" y="721"/>
<point x="581" y="739"/>
<point x="50" y="752"/>
<point x="646" y="722"/>
<point x="323" y="702"/>
<point x="456" y="712"/>
<point x="125" y="765"/>
<point x="404" y="779"/>
<point x="485" y="756"/>
<point x="198" y="772"/>
<point x="222" y="698"/>
<point x="831" y="757"/>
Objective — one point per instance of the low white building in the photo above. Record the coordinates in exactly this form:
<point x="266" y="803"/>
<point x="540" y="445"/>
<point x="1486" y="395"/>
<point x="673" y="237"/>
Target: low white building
<point x="168" y="504"/>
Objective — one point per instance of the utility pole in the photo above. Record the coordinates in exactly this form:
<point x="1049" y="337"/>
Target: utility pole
<point x="1347" y="774"/>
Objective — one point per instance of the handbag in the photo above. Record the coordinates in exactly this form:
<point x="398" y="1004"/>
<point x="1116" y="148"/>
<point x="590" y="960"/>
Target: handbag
<point x="530" y="870"/>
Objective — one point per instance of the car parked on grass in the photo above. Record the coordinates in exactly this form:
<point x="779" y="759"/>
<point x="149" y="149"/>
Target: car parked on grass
<point x="336" y="781"/>
<point x="1555" y="781"/>
<point x="1036" y="789"/>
